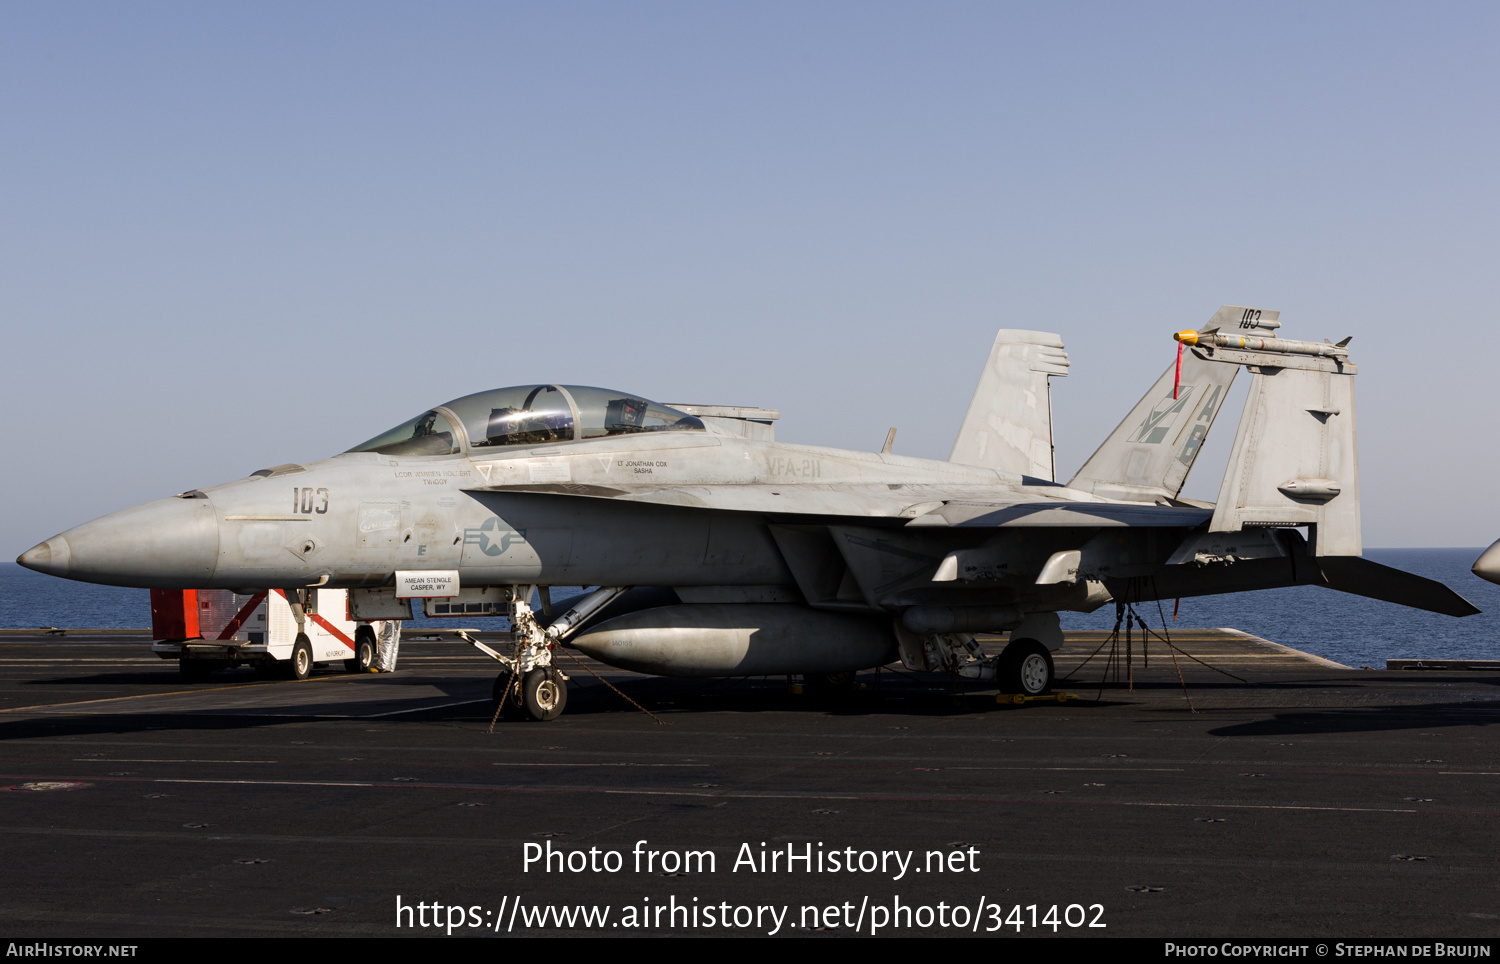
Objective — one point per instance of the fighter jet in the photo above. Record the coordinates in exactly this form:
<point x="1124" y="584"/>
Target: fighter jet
<point x="768" y="558"/>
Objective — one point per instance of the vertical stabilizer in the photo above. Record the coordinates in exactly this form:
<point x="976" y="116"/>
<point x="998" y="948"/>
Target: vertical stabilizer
<point x="1294" y="461"/>
<point x="1009" y="424"/>
<point x="1148" y="455"/>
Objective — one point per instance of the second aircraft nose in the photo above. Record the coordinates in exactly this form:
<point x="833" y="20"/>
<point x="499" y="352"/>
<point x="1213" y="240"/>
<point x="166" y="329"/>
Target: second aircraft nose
<point x="166" y="544"/>
<point x="1487" y="566"/>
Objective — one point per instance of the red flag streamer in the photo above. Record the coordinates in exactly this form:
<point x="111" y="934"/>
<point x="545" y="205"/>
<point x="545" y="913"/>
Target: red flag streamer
<point x="1177" y="377"/>
<point x="1177" y="602"/>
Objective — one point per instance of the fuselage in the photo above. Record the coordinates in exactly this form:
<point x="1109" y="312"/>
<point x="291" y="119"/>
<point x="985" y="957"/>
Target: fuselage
<point x="547" y="514"/>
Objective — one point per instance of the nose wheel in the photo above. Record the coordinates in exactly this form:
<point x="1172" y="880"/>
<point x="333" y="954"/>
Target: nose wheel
<point x="545" y="693"/>
<point x="541" y="695"/>
<point x="513" y="707"/>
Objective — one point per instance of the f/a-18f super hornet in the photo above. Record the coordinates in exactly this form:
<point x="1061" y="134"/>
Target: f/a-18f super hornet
<point x="766" y="558"/>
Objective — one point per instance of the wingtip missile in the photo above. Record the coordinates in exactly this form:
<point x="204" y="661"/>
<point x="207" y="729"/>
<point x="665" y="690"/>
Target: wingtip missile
<point x="1211" y="339"/>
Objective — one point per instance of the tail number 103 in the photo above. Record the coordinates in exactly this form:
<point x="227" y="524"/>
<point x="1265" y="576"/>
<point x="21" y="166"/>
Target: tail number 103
<point x="309" y="501"/>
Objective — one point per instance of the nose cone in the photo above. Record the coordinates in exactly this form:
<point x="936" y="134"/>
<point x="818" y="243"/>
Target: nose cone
<point x="51" y="557"/>
<point x="167" y="544"/>
<point x="1487" y="566"/>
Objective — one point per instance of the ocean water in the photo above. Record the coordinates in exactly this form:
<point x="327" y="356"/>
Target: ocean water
<point x="1347" y="629"/>
<point x="1344" y="628"/>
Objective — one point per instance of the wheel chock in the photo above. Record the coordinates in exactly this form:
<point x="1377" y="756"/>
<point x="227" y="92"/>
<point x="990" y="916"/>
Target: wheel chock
<point x="1021" y="698"/>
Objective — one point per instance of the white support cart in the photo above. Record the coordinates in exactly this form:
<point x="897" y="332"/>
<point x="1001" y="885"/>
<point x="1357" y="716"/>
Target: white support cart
<point x="208" y="629"/>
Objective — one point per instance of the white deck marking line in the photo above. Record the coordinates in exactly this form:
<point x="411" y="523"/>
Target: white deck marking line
<point x="732" y="795"/>
<point x="1465" y="773"/>
<point x="100" y="760"/>
<point x="617" y="765"/>
<point x="418" y="709"/>
<point x="145" y="696"/>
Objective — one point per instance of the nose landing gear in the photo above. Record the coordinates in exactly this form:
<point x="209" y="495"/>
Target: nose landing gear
<point x="531" y="687"/>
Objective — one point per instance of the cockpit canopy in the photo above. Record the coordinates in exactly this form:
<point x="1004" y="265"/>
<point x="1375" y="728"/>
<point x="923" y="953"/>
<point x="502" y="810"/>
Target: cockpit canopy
<point x="528" y="415"/>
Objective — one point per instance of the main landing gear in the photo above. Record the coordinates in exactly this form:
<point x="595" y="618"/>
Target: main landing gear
<point x="1025" y="668"/>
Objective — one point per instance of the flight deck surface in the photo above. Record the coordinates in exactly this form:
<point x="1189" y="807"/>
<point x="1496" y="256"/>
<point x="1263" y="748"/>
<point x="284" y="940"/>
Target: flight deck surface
<point x="1298" y="799"/>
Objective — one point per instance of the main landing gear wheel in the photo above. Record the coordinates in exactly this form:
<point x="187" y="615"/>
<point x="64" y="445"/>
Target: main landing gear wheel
<point x="1026" y="668"/>
<point x="364" y="653"/>
<point x="545" y="693"/>
<point x="301" y="664"/>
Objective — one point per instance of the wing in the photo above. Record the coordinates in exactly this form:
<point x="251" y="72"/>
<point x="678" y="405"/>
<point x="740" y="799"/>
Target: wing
<point x="922" y="505"/>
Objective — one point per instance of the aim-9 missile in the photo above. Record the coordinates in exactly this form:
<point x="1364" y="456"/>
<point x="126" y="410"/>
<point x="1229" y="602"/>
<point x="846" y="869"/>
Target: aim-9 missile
<point x="1213" y="338"/>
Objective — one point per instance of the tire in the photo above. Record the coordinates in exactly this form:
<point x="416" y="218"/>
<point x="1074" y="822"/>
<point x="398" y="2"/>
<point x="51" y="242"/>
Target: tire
<point x="364" y="653"/>
<point x="545" y="693"/>
<point x="1026" y="668"/>
<point x="300" y="666"/>
<point x="515" y="704"/>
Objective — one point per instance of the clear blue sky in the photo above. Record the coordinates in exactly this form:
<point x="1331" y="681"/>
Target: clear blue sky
<point x="234" y="235"/>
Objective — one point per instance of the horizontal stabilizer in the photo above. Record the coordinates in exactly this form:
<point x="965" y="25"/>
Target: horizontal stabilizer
<point x="1294" y="461"/>
<point x="1361" y="577"/>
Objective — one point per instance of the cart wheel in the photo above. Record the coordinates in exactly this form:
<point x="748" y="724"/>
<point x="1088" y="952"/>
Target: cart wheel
<point x="515" y="705"/>
<point x="545" y="693"/>
<point x="364" y="653"/>
<point x="1026" y="668"/>
<point x="193" y="670"/>
<point x="301" y="664"/>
